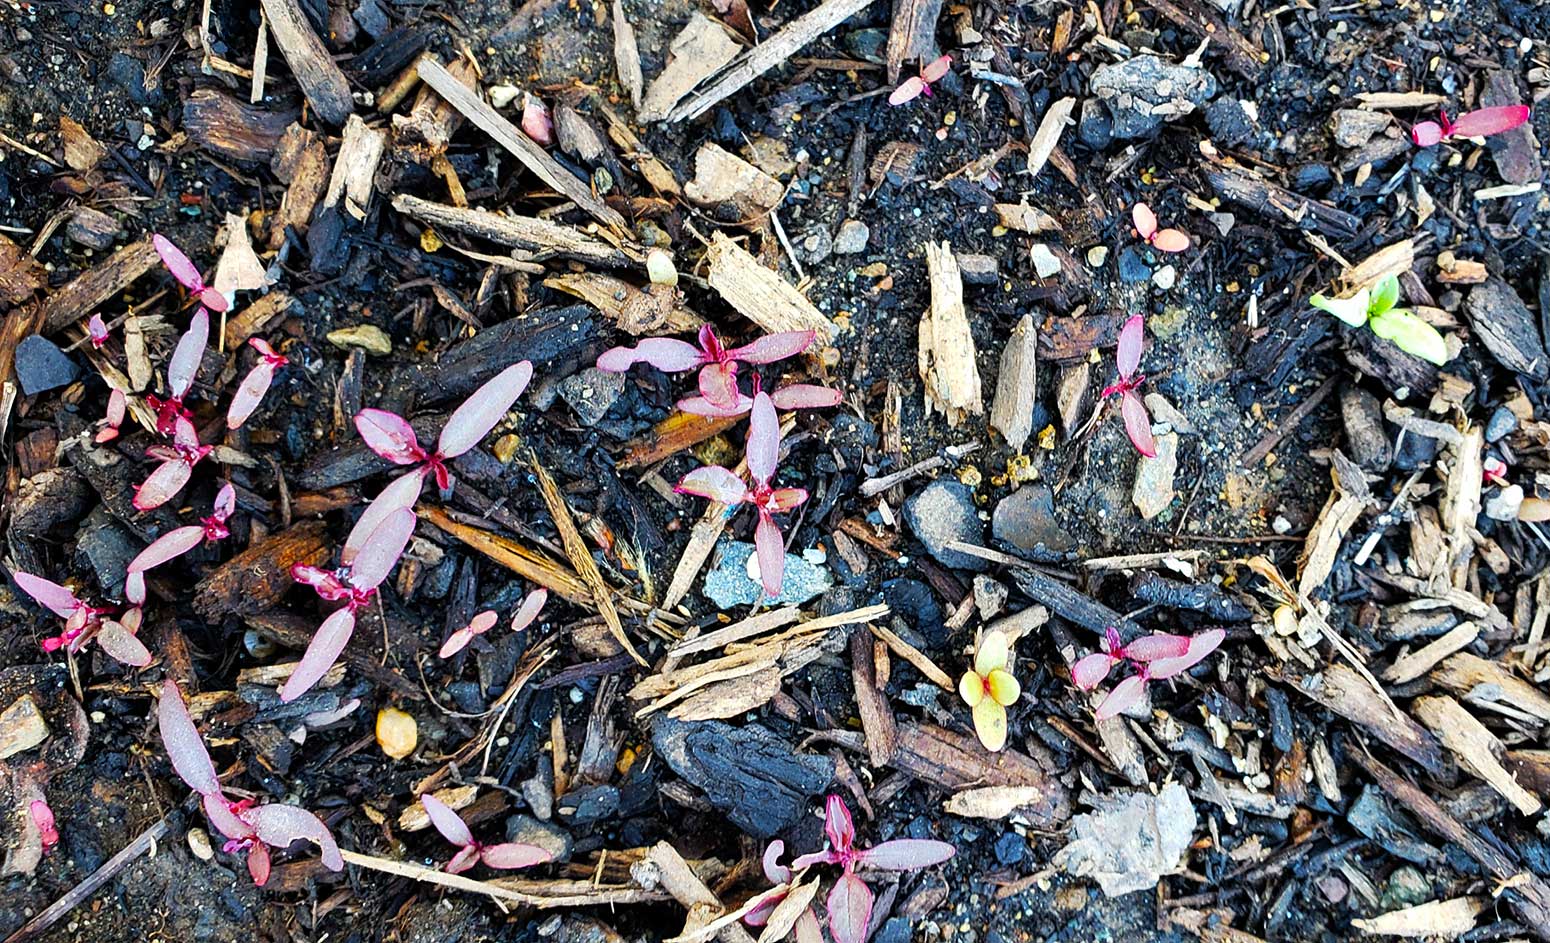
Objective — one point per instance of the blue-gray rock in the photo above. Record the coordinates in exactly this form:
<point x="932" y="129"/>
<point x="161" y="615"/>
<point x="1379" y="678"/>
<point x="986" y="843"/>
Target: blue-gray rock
<point x="1229" y="122"/>
<point x="941" y="513"/>
<point x="1096" y="128"/>
<point x="762" y="783"/>
<point x="1010" y="848"/>
<point x="42" y="366"/>
<point x="852" y="237"/>
<point x="108" y="546"/>
<point x="588" y="804"/>
<point x="591" y="393"/>
<point x="1132" y="267"/>
<point x="1134" y="89"/>
<point x="893" y="930"/>
<point x="915" y="603"/>
<point x="1501" y="424"/>
<point x="1026" y="520"/>
<point x="728" y="583"/>
<point x="530" y="831"/>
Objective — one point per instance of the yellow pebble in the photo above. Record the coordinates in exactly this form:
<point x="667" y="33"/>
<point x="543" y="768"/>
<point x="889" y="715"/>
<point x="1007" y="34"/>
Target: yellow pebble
<point x="397" y="733"/>
<point x="429" y="241"/>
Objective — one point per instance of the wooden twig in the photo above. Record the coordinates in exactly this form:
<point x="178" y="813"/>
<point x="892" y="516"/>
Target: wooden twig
<point x="708" y="917"/>
<point x="320" y="79"/>
<point x="547" y="239"/>
<point x="1287" y="425"/>
<point x="1243" y="57"/>
<point x="583" y="895"/>
<point x="912" y="34"/>
<point x="91" y="289"/>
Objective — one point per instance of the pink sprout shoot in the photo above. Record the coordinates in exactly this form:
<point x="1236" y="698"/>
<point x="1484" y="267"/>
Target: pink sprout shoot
<point x="718" y="484"/>
<point x="1130" y="691"/>
<point x="43" y="820"/>
<point x="118" y="404"/>
<point x="1495" y="471"/>
<point x="118" y="638"/>
<point x="176" y="468"/>
<point x="390" y="435"/>
<point x="792" y="396"/>
<point x="850" y="901"/>
<point x="485" y="621"/>
<point x="1089" y="672"/>
<point x="255" y="384"/>
<point x="84" y="622"/>
<point x="247" y="828"/>
<point x="354" y="584"/>
<point x="918" y="85"/>
<point x="181" y="369"/>
<point x="174" y="543"/>
<point x="506" y="856"/>
<point x="1481" y="123"/>
<point x="97" y="330"/>
<point x="1138" y="422"/>
<point x="1163" y="240"/>
<point x="718" y="364"/>
<point x="536" y="120"/>
<point x="187" y="275"/>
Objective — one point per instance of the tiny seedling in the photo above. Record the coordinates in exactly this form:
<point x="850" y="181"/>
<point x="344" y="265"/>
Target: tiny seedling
<point x="1163" y="240"/>
<point x="118" y="404"/>
<point x="182" y="367"/>
<point x="537" y="123"/>
<point x="1481" y="123"/>
<point x="1495" y="471"/>
<point x="718" y="484"/>
<point x="485" y="621"/>
<point x="174" y="543"/>
<point x="176" y="468"/>
<point x="43" y="821"/>
<point x="84" y="622"/>
<point x="718" y="364"/>
<point x="989" y="689"/>
<point x="249" y="828"/>
<point x="505" y="856"/>
<point x="97" y="331"/>
<point x="1089" y="672"/>
<point x="792" y="396"/>
<point x="1375" y="307"/>
<point x="187" y="275"/>
<point x="784" y="881"/>
<point x="355" y="584"/>
<point x="918" y="85"/>
<point x="1154" y="659"/>
<point x="1138" y="422"/>
<point x="255" y="384"/>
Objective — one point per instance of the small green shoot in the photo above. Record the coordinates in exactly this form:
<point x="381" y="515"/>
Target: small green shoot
<point x="1375" y="307"/>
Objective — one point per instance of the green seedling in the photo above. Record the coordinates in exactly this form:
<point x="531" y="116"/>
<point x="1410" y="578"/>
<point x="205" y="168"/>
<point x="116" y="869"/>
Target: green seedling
<point x="1375" y="307"/>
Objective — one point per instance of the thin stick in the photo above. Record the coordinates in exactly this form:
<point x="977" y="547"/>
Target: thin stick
<point x="414" y="872"/>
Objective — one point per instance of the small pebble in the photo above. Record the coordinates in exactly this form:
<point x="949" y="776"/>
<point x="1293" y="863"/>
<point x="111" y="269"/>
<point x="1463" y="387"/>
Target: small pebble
<point x="1097" y="255"/>
<point x="367" y="337"/>
<point x="397" y="732"/>
<point x="199" y="844"/>
<point x="1045" y="264"/>
<point x="1165" y="277"/>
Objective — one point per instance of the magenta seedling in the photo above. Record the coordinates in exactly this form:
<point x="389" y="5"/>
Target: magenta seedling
<point x="1474" y="124"/>
<point x="718" y="365"/>
<point x="918" y="85"/>
<point x="118" y="404"/>
<point x="187" y="275"/>
<point x="355" y="584"/>
<point x="537" y="123"/>
<point x="485" y="621"/>
<point x="176" y="468"/>
<point x="174" y="543"/>
<point x="84" y="622"/>
<point x="1163" y="240"/>
<point x="719" y="484"/>
<point x="181" y="370"/>
<point x="43" y="821"/>
<point x="1138" y="423"/>
<point x="1089" y="672"/>
<point x="793" y="396"/>
<point x="1155" y="657"/>
<point x="505" y="856"/>
<point x="247" y="828"/>
<point x="97" y="331"/>
<point x="390" y="435"/>
<point x="255" y="384"/>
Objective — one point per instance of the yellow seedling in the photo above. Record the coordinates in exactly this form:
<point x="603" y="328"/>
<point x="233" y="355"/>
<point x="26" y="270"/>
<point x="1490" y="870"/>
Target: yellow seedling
<point x="990" y="689"/>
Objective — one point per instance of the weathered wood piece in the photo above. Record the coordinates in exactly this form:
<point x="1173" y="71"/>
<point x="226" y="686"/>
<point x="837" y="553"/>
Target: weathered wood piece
<point x="1507" y="328"/>
<point x="1011" y="411"/>
<point x="22" y="727"/>
<point x="259" y="577"/>
<point x="627" y="55"/>
<point x="544" y="238"/>
<point x="768" y="54"/>
<point x="670" y="436"/>
<point x="702" y="47"/>
<point x="257" y="317"/>
<point x="92" y="288"/>
<point x="1477" y="749"/>
<point x="1276" y="203"/>
<point x="1071" y="605"/>
<point x="327" y="90"/>
<point x="632" y="310"/>
<point x="233" y="129"/>
<point x="1413" y="665"/>
<point x="431" y="120"/>
<point x="877" y="722"/>
<point x="946" y="355"/>
<point x="544" y="336"/>
<point x="301" y="162"/>
<point x="1483" y="682"/>
<point x="955" y="762"/>
<point x="674" y="874"/>
<point x="510" y="137"/>
<point x="1341" y="690"/>
<point x="1068" y="341"/>
<point x="1203" y="20"/>
<point x="912" y="34"/>
<point x="1047" y="137"/>
<point x="295" y="631"/>
<point x="761" y="295"/>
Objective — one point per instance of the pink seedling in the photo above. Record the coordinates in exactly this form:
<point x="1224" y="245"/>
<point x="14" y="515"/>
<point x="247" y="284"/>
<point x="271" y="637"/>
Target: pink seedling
<point x="485" y="621"/>
<point x="918" y="85"/>
<point x="1129" y="692"/>
<point x="187" y="275"/>
<point x="43" y="820"/>
<point x="719" y="484"/>
<point x="718" y="365"/>
<point x="537" y="123"/>
<point x="176" y="468"/>
<point x="1138" y="422"/>
<point x="1089" y="672"/>
<point x="391" y="436"/>
<point x="255" y="384"/>
<point x="118" y="404"/>
<point x="247" y="828"/>
<point x="1495" y="471"/>
<point x="506" y="856"/>
<point x="355" y="584"/>
<point x="97" y="331"/>
<point x="1474" y="124"/>
<point x="1163" y="240"/>
<point x="181" y="370"/>
<point x="850" y="901"/>
<point x="84" y="622"/>
<point x="793" y="396"/>
<point x="174" y="543"/>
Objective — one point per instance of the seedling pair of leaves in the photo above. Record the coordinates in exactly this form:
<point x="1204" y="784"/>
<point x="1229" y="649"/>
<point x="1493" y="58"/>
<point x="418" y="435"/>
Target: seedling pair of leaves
<point x="1375" y="307"/>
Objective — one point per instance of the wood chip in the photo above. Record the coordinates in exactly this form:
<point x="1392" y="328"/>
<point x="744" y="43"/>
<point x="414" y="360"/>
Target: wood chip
<point x="1437" y="919"/>
<point x="301" y="162"/>
<point x="946" y="352"/>
<point x="761" y="295"/>
<point x="1011" y="411"/>
<point x="1025" y="218"/>
<point x="1411" y="666"/>
<point x="1390" y="100"/>
<point x="1482" y="683"/>
<point x="991" y="802"/>
<point x="239" y="268"/>
<point x="912" y="34"/>
<point x="1044" y="140"/>
<point x="722" y="177"/>
<point x="544" y="238"/>
<point x="1341" y="690"/>
<point x="93" y="288"/>
<point x="915" y="657"/>
<point x="1395" y="259"/>
<point x="21" y="727"/>
<point x="955" y="761"/>
<point x="355" y="168"/>
<point x="698" y="51"/>
<point x="1477" y="749"/>
<point x="877" y="721"/>
<point x="327" y="90"/>
<point x="627" y="55"/>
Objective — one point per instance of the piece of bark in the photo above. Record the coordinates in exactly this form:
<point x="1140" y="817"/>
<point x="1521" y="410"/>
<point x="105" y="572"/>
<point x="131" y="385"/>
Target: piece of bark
<point x="656" y="310"/>
<point x="527" y="563"/>
<point x="912" y="34"/>
<point x="882" y="733"/>
<point x="510" y="137"/>
<point x="627" y="55"/>
<point x="1072" y="605"/>
<point x="1045" y="140"/>
<point x="257" y="318"/>
<point x="955" y="762"/>
<point x="679" y="431"/>
<point x="545" y="239"/>
<point x="1067" y="340"/>
<point x="702" y="47"/>
<point x="675" y="875"/>
<point x="301" y="162"/>
<point x="259" y="577"/>
<point x="1515" y="152"/>
<point x="21" y="275"/>
<point x="546" y="336"/>
<point x="768" y="54"/>
<point x="1393" y="259"/>
<point x="946" y="355"/>
<point x="1278" y="204"/>
<point x="1507" y="328"/>
<point x="733" y="697"/>
<point x="431" y="119"/>
<point x="1011" y="411"/>
<point x="93" y="288"/>
<point x="1341" y="690"/>
<point x="1024" y="217"/>
<point x="233" y="129"/>
<point x="352" y="181"/>
<point x="1203" y="20"/>
<point x="722" y="177"/>
<point x="1413" y="665"/>
<point x="1435" y="919"/>
<point x="321" y="81"/>
<point x="1478" y="680"/>
<point x="81" y="150"/>
<point x="92" y="228"/>
<point x="1477" y="749"/>
<point x="22" y="727"/>
<point x="761" y="295"/>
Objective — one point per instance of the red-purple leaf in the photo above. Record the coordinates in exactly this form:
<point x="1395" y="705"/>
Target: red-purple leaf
<point x="447" y="822"/>
<point x="1138" y="425"/>
<point x="280" y="825"/>
<point x="763" y="439"/>
<point x="781" y="500"/>
<point x="184" y="746"/>
<point x="700" y="406"/>
<point x="837" y="824"/>
<point x="458" y="640"/>
<point x="134" y="587"/>
<point x="1127" y="355"/>
<point x="1089" y="672"/>
<point x="221" y="815"/>
<point x="908" y="90"/>
<point x="771" y="548"/>
<point x="258" y="863"/>
<point x="375" y="559"/>
<point x="664" y="353"/>
<point x="169" y="546"/>
<point x="764" y="903"/>
<point x="714" y="483"/>
<point x="509" y="856"/>
<point x="97" y="330"/>
<point x="164" y="481"/>
<point x="1155" y="646"/>
<point x="184" y="363"/>
<point x="43" y="821"/>
<point x="1199" y="647"/>
<point x="773" y="347"/>
<point x="466" y="858"/>
<point x="120" y="644"/>
<point x="529" y="610"/>
<point x="1145" y="220"/>
<point x="805" y="396"/>
<point x="325" y="648"/>
<point x="536" y="122"/>
<point x="48" y="594"/>
<point x="774" y="871"/>
<point x="718" y="384"/>
<point x="177" y="263"/>
<point x="1170" y="240"/>
<point x="1488" y="121"/>
<point x="402" y="493"/>
<point x="325" y="582"/>
<point x="225" y="502"/>
<point x="850" y="909"/>
<point x="249" y="394"/>
<point x="389" y="435"/>
<point x="907" y="854"/>
<point x="1125" y="695"/>
<point x="473" y="420"/>
<point x="1426" y="134"/>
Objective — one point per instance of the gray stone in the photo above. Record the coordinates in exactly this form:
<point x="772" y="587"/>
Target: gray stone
<point x="1130" y="840"/>
<point x="989" y="596"/>
<point x="1045" y="264"/>
<point x="1026" y="520"/>
<point x="979" y="269"/>
<point x="1144" y="91"/>
<point x="1153" y="490"/>
<point x="530" y="831"/>
<point x="1406" y="887"/>
<point x="591" y="393"/>
<point x="42" y="366"/>
<point x="1132" y="267"/>
<point x="816" y="246"/>
<point x="762" y="783"/>
<point x="1010" y="848"/>
<point x="108" y="546"/>
<point x="586" y="804"/>
<point x="1166" y="277"/>
<point x="1230" y="122"/>
<point x="1096" y="128"/>
<point x="943" y="512"/>
<point x="729" y="584"/>
<point x="1354" y="127"/>
<point x="1501" y="424"/>
<point x="1504" y="504"/>
<point x="1366" y="439"/>
<point x="852" y="237"/>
